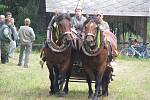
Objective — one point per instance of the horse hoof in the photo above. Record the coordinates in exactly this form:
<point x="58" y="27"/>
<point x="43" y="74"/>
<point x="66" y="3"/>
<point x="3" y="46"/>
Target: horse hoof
<point x="105" y="95"/>
<point x="50" y="94"/>
<point x="90" y="96"/>
<point x="63" y="94"/>
<point x="95" y="98"/>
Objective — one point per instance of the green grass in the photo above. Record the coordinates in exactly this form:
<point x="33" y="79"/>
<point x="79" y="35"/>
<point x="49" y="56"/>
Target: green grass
<point x="132" y="81"/>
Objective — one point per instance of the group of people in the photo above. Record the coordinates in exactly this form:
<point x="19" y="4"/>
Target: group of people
<point x="9" y="35"/>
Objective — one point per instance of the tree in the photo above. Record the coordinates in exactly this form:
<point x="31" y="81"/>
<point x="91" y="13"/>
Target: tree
<point x="33" y="9"/>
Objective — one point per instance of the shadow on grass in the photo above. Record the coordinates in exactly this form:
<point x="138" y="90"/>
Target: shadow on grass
<point x="44" y="94"/>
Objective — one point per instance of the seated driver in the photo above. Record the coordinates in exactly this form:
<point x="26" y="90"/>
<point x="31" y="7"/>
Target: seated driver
<point x="78" y="20"/>
<point x="77" y="24"/>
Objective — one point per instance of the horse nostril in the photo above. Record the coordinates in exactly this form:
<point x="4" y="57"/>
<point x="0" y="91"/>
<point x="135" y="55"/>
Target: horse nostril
<point x="70" y="38"/>
<point x="89" y="39"/>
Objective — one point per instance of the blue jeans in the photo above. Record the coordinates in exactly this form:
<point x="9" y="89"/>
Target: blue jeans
<point x="12" y="48"/>
<point x="27" y="48"/>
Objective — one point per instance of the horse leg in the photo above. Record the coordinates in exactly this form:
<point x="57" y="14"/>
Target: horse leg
<point x="51" y="78"/>
<point x="54" y="87"/>
<point x="65" y="90"/>
<point x="105" y="85"/>
<point x="61" y="83"/>
<point x="97" y="86"/>
<point x="89" y="81"/>
<point x="107" y="77"/>
<point x="56" y="77"/>
<point x="67" y="81"/>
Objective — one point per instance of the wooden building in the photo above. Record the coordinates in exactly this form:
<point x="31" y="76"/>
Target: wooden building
<point x="125" y="17"/>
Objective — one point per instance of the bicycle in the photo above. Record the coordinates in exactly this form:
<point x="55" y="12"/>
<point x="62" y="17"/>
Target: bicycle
<point x="140" y="51"/>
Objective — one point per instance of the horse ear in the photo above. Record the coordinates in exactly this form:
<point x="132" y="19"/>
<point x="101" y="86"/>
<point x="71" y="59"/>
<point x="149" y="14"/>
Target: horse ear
<point x="83" y="29"/>
<point x="86" y="25"/>
<point x="68" y="13"/>
<point x="98" y="26"/>
<point x="55" y="24"/>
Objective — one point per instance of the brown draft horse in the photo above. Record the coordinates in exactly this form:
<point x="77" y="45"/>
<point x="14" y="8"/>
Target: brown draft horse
<point x="58" y="53"/>
<point x="95" y="60"/>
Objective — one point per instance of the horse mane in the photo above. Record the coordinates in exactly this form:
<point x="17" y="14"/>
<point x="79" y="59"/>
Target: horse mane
<point x="56" y="43"/>
<point x="59" y="18"/>
<point x="91" y="19"/>
<point x="63" y="16"/>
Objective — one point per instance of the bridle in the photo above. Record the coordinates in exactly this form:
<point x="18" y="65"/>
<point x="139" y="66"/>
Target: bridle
<point x="90" y="39"/>
<point x="63" y="35"/>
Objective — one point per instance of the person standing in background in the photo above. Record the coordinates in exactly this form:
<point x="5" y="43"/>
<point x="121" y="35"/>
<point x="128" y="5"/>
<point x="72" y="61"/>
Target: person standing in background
<point x="12" y="45"/>
<point x="5" y="37"/>
<point x="26" y="36"/>
<point x="2" y="21"/>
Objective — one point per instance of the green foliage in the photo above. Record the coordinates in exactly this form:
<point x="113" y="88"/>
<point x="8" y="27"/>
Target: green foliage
<point x="2" y="7"/>
<point x="22" y="9"/>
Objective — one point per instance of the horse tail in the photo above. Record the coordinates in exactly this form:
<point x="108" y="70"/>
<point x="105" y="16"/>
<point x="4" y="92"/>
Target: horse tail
<point x="42" y="52"/>
<point x="42" y="49"/>
<point x="110" y="56"/>
<point x="42" y="57"/>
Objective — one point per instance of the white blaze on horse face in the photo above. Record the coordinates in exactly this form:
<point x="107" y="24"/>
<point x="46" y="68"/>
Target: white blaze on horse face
<point x="55" y="24"/>
<point x="90" y="28"/>
<point x="91" y="24"/>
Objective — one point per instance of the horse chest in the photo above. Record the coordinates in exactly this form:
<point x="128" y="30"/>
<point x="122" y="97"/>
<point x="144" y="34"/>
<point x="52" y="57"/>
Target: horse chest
<point x="91" y="61"/>
<point x="58" y="58"/>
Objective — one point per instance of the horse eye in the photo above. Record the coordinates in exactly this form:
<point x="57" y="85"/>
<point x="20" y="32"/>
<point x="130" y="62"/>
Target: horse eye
<point x="85" y="26"/>
<point x="59" y="25"/>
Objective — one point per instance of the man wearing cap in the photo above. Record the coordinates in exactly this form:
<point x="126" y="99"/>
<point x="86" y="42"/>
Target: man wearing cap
<point x="103" y="25"/>
<point x="109" y="36"/>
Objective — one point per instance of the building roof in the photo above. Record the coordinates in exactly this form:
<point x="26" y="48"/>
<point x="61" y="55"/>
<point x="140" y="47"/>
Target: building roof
<point x="107" y="7"/>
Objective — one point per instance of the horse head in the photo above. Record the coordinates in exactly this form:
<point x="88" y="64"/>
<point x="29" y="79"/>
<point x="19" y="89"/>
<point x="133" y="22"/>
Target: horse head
<point x="91" y="30"/>
<point x="60" y="35"/>
<point x="64" y="28"/>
